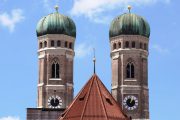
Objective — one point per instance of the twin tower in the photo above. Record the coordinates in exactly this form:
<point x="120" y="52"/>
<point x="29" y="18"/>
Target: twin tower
<point x="129" y="39"/>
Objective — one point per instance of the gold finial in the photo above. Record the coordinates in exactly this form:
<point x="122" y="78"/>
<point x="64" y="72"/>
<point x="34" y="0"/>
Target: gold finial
<point x="56" y="7"/>
<point x="129" y="8"/>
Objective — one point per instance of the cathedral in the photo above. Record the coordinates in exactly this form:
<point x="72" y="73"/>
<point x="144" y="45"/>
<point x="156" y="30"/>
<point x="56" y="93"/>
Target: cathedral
<point x="129" y="97"/>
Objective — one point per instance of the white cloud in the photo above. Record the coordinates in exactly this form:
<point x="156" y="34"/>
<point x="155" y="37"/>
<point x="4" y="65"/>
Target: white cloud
<point x="10" y="118"/>
<point x="97" y="10"/>
<point x="10" y="20"/>
<point x="83" y="49"/>
<point x="160" y="49"/>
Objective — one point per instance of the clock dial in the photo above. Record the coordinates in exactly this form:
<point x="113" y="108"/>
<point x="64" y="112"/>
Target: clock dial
<point x="130" y="102"/>
<point x="54" y="102"/>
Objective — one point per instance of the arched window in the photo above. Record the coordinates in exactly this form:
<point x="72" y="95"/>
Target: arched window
<point x="58" y="43"/>
<point x="66" y="44"/>
<point x="145" y="46"/>
<point x="52" y="43"/>
<point x="114" y="46"/>
<point x="45" y="44"/>
<point x="133" y="44"/>
<point x="55" y="70"/>
<point x="70" y="45"/>
<point x="140" y="45"/>
<point x="127" y="44"/>
<point x="130" y="70"/>
<point x="40" y="45"/>
<point x="119" y="44"/>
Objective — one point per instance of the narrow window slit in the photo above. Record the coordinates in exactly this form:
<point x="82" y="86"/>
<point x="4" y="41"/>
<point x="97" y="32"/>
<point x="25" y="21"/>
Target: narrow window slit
<point x="109" y="101"/>
<point x="82" y="98"/>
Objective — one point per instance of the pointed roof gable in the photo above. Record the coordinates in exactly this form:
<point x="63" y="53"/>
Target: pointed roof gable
<point x="94" y="102"/>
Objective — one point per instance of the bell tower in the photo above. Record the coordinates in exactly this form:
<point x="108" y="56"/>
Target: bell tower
<point x="129" y="40"/>
<point x="56" y="36"/>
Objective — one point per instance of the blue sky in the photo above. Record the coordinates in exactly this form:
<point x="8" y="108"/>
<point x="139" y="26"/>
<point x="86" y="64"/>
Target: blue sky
<point x="18" y="50"/>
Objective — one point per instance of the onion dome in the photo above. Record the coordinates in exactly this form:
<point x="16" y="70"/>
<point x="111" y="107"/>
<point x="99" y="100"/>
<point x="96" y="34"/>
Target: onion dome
<point x="129" y="24"/>
<point x="56" y="23"/>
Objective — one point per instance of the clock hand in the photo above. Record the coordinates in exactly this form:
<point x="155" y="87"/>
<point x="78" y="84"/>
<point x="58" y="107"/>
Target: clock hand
<point x="131" y="100"/>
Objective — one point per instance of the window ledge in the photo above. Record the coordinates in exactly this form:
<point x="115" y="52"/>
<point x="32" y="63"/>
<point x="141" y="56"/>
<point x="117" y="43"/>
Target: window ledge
<point x="40" y="84"/>
<point x="130" y="80"/>
<point x="55" y="79"/>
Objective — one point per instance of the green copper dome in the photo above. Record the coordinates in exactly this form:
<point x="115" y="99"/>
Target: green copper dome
<point x="56" y="23"/>
<point x="129" y="24"/>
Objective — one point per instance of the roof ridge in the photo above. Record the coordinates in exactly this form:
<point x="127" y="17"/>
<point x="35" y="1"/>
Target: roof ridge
<point x="86" y="101"/>
<point x="114" y="101"/>
<point x="104" y="108"/>
<point x="70" y="106"/>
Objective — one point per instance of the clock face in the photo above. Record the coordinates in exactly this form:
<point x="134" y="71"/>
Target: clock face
<point x="130" y="102"/>
<point x="54" y="102"/>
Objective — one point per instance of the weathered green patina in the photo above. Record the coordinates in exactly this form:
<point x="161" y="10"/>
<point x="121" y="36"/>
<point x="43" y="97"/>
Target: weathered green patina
<point x="56" y="23"/>
<point x="129" y="24"/>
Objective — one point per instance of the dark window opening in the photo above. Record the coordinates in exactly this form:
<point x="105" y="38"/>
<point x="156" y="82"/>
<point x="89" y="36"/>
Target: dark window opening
<point x="45" y="44"/>
<point x="109" y="101"/>
<point x="119" y="44"/>
<point x="70" y="45"/>
<point x="114" y="46"/>
<point x="52" y="43"/>
<point x="58" y="43"/>
<point x="127" y="44"/>
<point x="130" y="70"/>
<point x="145" y="46"/>
<point x="82" y="98"/>
<point x="65" y="44"/>
<point x="55" y="70"/>
<point x="133" y="44"/>
<point x="40" y="45"/>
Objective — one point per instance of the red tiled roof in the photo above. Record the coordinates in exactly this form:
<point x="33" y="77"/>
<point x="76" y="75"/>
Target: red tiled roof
<point x="94" y="102"/>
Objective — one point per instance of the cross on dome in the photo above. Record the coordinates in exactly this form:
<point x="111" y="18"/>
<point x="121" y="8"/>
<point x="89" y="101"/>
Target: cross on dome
<point x="56" y="8"/>
<point x="129" y="8"/>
